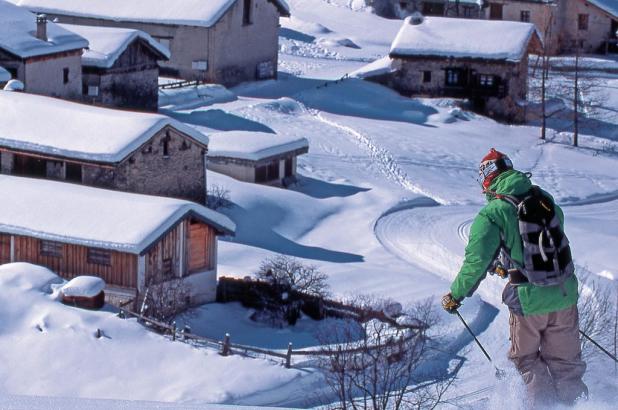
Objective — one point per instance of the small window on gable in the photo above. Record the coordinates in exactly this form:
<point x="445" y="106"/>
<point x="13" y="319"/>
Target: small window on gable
<point x="65" y="75"/>
<point x="525" y="16"/>
<point x="51" y="248"/>
<point x="185" y="145"/>
<point x="426" y="76"/>
<point x="582" y="22"/>
<point x="247" y="18"/>
<point x="165" y="141"/>
<point x="99" y="256"/>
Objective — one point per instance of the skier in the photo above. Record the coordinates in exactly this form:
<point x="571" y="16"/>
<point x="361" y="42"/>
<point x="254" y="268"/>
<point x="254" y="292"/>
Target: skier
<point x="541" y="293"/>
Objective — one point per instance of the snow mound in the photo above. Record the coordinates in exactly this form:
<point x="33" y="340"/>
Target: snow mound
<point x="83" y="286"/>
<point x="305" y="26"/>
<point x="285" y="105"/>
<point x="202" y="95"/>
<point x="334" y="42"/>
<point x="14" y="85"/>
<point x="25" y="277"/>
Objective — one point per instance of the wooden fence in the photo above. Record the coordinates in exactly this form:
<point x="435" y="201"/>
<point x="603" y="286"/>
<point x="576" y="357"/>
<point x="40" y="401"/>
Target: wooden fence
<point x="180" y="84"/>
<point x="226" y="347"/>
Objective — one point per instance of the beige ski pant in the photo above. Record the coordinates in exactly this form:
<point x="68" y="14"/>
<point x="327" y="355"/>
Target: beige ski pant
<point x="547" y="352"/>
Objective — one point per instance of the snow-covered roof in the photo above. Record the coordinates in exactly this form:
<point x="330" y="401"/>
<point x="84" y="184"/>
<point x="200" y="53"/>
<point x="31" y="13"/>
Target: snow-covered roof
<point x="66" y="129"/>
<point x="468" y="38"/>
<point x="108" y="43"/>
<point x="253" y="146"/>
<point x="201" y="13"/>
<point x="609" y="6"/>
<point x="378" y="67"/>
<point x="4" y="75"/>
<point x="18" y="34"/>
<point x="95" y="217"/>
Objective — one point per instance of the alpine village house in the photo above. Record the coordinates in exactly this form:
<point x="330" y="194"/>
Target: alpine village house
<point x="122" y="150"/>
<point x="74" y="230"/>
<point x="218" y="41"/>
<point x="430" y="57"/>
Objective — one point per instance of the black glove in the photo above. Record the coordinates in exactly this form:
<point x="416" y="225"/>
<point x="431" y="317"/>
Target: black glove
<point x="450" y="304"/>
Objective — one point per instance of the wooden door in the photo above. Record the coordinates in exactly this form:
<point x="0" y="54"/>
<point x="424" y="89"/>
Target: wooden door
<point x="495" y="11"/>
<point x="5" y="248"/>
<point x="198" y="247"/>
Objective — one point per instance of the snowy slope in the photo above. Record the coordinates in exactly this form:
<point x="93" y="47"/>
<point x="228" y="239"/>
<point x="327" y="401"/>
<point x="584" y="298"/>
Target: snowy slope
<point x="49" y="349"/>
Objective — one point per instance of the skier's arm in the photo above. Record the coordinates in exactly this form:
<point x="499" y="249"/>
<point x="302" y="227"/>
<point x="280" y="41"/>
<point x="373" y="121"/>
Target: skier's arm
<point x="483" y="247"/>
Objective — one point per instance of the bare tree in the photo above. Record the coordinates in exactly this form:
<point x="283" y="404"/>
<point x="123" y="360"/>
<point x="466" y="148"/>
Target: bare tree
<point x="595" y="311"/>
<point x="373" y="364"/>
<point x="290" y="280"/>
<point x="217" y="196"/>
<point x="290" y="273"/>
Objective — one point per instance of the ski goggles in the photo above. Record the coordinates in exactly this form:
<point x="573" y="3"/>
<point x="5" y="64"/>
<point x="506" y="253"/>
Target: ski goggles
<point x="488" y="168"/>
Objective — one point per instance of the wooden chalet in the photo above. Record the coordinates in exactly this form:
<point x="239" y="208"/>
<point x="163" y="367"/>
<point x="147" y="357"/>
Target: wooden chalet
<point x="131" y="241"/>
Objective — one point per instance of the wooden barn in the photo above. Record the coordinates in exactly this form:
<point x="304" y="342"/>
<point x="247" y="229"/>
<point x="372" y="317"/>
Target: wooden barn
<point x="120" y="67"/>
<point x="258" y="157"/>
<point x="128" y="151"/>
<point x="40" y="54"/>
<point x="218" y="41"/>
<point x="131" y="241"/>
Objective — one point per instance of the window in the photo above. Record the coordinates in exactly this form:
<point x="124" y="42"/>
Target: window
<point x="582" y="22"/>
<point x="73" y="172"/>
<point x="167" y="267"/>
<point x="65" y="75"/>
<point x="486" y="80"/>
<point x="426" y="76"/>
<point x="93" y="90"/>
<point x="199" y="65"/>
<point x="453" y="77"/>
<point x="99" y="256"/>
<point x="165" y="141"/>
<point x="469" y="12"/>
<point x="525" y="16"/>
<point x="246" y="12"/>
<point x="495" y="11"/>
<point x="51" y="248"/>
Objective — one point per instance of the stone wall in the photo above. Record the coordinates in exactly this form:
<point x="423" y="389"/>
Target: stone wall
<point x="409" y="80"/>
<point x="45" y="75"/>
<point x="590" y="40"/>
<point x="180" y="174"/>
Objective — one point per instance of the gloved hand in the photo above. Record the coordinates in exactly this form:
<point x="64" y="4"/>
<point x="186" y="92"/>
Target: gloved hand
<point x="450" y="304"/>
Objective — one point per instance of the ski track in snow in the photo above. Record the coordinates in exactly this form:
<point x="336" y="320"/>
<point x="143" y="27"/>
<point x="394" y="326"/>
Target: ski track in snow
<point x="381" y="156"/>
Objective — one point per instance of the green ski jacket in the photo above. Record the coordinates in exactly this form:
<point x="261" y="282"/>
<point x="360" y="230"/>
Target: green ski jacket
<point x="496" y="218"/>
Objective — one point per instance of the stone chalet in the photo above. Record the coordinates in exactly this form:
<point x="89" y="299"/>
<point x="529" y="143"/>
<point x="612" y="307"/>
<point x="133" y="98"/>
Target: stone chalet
<point x="256" y="156"/>
<point x="219" y="41"/>
<point x="123" y="150"/>
<point x="483" y="61"/>
<point x="74" y="230"/>
<point x="565" y="25"/>
<point x="120" y="68"/>
<point x="45" y="57"/>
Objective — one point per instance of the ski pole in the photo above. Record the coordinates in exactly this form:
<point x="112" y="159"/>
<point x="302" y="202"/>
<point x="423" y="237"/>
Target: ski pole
<point x="599" y="346"/>
<point x="500" y="374"/>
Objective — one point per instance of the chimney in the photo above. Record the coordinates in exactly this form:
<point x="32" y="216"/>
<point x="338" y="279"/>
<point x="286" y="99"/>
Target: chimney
<point x="41" y="27"/>
<point x="416" y="18"/>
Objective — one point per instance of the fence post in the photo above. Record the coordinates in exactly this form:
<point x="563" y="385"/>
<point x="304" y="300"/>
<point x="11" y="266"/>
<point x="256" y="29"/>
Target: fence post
<point x="121" y="314"/>
<point x="185" y="330"/>
<point x="288" y="357"/>
<point x="226" y="345"/>
<point x="174" y="331"/>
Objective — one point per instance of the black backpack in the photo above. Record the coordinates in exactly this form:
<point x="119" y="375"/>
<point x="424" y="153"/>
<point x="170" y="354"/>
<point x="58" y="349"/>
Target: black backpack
<point x="546" y="251"/>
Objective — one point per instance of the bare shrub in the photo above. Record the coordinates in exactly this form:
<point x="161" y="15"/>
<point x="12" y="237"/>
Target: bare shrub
<point x="164" y="300"/>
<point x="596" y="312"/>
<point x="217" y="196"/>
<point x="374" y="365"/>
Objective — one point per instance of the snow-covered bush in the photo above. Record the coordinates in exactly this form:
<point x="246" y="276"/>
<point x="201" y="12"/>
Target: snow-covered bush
<point x="217" y="196"/>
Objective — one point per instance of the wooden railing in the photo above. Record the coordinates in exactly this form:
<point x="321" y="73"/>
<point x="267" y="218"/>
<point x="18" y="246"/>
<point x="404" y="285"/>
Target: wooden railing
<point x="226" y="347"/>
<point x="180" y="84"/>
